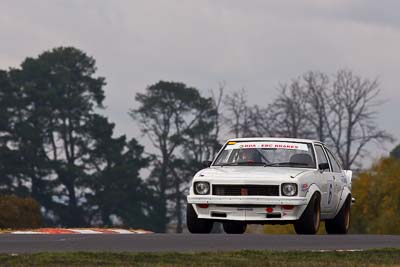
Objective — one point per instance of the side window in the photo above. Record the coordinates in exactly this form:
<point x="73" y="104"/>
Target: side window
<point x="321" y="157"/>
<point x="222" y="157"/>
<point x="335" y="165"/>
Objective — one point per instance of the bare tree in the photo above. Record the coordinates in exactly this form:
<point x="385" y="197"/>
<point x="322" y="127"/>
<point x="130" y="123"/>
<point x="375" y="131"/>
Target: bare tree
<point x="340" y="112"/>
<point x="290" y="109"/>
<point x="238" y="114"/>
<point x="351" y="119"/>
<point x="217" y="102"/>
<point x="262" y="121"/>
<point x="316" y="86"/>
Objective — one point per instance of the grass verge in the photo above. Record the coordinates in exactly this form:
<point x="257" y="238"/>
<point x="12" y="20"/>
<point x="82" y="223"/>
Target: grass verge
<point x="382" y="257"/>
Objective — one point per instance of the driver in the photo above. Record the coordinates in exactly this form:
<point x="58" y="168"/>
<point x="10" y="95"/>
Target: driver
<point x="250" y="155"/>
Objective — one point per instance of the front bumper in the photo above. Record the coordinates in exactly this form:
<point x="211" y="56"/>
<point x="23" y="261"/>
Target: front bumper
<point x="248" y="208"/>
<point x="252" y="200"/>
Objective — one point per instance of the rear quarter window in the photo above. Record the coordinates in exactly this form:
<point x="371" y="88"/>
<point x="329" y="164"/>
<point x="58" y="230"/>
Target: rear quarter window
<point x="335" y="165"/>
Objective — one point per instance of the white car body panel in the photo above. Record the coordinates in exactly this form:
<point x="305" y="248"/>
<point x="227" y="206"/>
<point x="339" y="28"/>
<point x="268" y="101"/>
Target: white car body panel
<point x="334" y="188"/>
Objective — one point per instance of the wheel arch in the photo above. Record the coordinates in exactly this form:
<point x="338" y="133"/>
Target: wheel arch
<point x="346" y="194"/>
<point x="312" y="190"/>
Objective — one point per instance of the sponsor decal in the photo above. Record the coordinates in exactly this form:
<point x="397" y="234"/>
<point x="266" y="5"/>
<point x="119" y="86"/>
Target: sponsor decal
<point x="304" y="187"/>
<point x="275" y="145"/>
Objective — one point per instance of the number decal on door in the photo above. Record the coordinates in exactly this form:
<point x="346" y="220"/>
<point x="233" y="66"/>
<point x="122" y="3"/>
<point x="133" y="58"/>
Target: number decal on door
<point x="330" y="193"/>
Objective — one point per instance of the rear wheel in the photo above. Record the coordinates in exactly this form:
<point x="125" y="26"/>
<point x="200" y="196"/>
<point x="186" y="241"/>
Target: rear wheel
<point x="341" y="223"/>
<point x="196" y="225"/>
<point x="234" y="227"/>
<point x="309" y="222"/>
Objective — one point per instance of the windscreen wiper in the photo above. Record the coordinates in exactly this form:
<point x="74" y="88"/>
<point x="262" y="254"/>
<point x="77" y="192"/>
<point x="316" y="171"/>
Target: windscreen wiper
<point x="284" y="164"/>
<point x="227" y="164"/>
<point x="240" y="163"/>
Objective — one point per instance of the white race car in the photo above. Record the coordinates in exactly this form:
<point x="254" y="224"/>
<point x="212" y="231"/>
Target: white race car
<point x="271" y="181"/>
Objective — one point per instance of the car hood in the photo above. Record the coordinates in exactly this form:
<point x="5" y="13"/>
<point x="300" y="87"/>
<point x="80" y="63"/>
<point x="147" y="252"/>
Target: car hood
<point x="250" y="172"/>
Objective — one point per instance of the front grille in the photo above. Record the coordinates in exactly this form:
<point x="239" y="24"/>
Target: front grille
<point x="245" y="190"/>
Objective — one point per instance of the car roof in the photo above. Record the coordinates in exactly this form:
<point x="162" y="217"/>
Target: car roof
<point x="274" y="139"/>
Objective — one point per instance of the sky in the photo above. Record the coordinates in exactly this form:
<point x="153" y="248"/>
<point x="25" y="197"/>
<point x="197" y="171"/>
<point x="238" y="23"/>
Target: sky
<point x="254" y="44"/>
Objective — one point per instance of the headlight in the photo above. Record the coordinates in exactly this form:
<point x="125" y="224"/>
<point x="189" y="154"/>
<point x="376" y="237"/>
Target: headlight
<point x="201" y="188"/>
<point x="289" y="190"/>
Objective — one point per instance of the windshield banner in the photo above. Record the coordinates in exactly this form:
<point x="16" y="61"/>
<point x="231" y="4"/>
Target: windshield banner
<point x="275" y="145"/>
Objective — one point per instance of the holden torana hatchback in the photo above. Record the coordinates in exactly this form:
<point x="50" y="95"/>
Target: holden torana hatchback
<point x="271" y="181"/>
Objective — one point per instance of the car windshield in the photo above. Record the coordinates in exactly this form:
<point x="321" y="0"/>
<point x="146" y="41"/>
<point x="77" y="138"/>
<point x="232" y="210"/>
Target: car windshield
<point x="266" y="153"/>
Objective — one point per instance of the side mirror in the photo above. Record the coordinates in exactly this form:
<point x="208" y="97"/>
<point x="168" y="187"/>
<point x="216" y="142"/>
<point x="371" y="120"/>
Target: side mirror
<point x="207" y="163"/>
<point x="323" y="166"/>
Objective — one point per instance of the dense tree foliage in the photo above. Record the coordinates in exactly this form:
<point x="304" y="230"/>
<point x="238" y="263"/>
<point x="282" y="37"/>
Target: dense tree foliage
<point x="19" y="213"/>
<point x="378" y="199"/>
<point x="180" y="124"/>
<point x="57" y="149"/>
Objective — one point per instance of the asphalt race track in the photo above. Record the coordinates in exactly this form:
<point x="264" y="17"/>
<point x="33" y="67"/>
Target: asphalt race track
<point x="185" y="242"/>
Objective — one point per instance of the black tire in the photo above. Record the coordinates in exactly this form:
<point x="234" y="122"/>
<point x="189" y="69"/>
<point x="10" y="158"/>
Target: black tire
<point x="341" y="223"/>
<point x="309" y="222"/>
<point x="234" y="227"/>
<point x="196" y="225"/>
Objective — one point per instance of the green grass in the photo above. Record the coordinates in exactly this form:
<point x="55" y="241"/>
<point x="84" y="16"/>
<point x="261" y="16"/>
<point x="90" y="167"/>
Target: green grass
<point x="383" y="257"/>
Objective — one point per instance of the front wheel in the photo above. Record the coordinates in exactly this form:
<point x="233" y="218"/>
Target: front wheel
<point x="234" y="227"/>
<point x="341" y="223"/>
<point x="196" y="225"/>
<point x="308" y="224"/>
